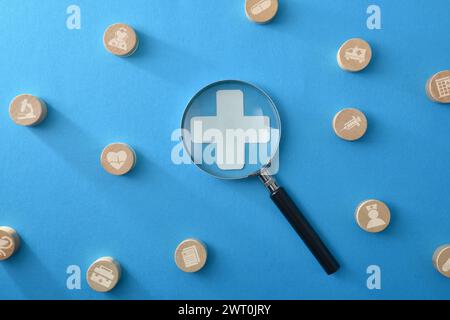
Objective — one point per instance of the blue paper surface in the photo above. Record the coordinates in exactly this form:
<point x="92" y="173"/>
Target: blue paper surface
<point x="69" y="211"/>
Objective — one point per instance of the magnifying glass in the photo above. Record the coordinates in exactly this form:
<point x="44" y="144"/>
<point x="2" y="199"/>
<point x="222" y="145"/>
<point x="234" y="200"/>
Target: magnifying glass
<point x="231" y="129"/>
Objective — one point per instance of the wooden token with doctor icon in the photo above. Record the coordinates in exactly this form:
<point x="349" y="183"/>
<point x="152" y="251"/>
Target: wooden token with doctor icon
<point x="121" y="40"/>
<point x="118" y="159"/>
<point x="373" y="216"/>
<point x="9" y="242"/>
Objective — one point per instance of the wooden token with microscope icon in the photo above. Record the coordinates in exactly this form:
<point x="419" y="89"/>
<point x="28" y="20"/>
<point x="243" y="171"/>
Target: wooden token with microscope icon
<point x="104" y="274"/>
<point x="373" y="216"/>
<point x="121" y="40"/>
<point x="191" y="255"/>
<point x="27" y="110"/>
<point x="118" y="159"/>
<point x="441" y="260"/>
<point x="9" y="242"/>
<point x="438" y="87"/>
<point x="350" y="124"/>
<point x="354" y="55"/>
<point x="261" y="11"/>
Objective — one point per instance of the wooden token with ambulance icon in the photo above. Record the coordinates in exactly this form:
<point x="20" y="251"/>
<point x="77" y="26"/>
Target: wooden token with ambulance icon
<point x="27" y="110"/>
<point x="120" y="39"/>
<point x="354" y="55"/>
<point x="350" y="124"/>
<point x="190" y="255"/>
<point x="261" y="11"/>
<point x="9" y="242"/>
<point x="438" y="87"/>
<point x="104" y="274"/>
<point x="373" y="216"/>
<point x="441" y="260"/>
<point x="118" y="159"/>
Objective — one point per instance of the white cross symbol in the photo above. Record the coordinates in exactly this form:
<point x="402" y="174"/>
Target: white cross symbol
<point x="230" y="130"/>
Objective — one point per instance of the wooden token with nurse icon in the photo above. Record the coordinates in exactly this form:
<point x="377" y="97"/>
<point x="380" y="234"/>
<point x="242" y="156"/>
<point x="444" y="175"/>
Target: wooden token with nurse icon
<point x="373" y="216"/>
<point x="231" y="129"/>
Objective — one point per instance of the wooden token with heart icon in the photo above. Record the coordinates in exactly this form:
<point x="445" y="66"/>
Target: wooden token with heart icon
<point x="118" y="159"/>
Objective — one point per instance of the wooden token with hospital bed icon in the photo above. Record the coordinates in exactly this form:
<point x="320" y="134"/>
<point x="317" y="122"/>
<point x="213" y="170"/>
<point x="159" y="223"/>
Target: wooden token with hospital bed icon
<point x="441" y="260"/>
<point x="261" y="11"/>
<point x="350" y="124"/>
<point x="354" y="55"/>
<point x="104" y="274"/>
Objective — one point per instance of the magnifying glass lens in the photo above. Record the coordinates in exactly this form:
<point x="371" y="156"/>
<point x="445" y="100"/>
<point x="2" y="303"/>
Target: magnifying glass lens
<point x="231" y="129"/>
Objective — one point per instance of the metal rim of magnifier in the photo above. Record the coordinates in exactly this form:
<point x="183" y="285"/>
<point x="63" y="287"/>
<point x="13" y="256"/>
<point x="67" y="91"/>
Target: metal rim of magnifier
<point x="275" y="113"/>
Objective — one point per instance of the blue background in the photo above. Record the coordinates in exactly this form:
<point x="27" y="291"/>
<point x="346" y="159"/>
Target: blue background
<point x="68" y="210"/>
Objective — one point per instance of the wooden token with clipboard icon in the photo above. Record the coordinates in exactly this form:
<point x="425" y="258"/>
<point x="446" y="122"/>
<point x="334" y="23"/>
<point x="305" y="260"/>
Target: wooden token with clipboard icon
<point x="190" y="255"/>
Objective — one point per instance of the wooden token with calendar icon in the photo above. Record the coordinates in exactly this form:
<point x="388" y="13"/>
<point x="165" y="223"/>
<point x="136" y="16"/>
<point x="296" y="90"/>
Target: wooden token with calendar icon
<point x="27" y="110"/>
<point x="354" y="55"/>
<point x="121" y="40"/>
<point x="438" y="87"/>
<point x="350" y="124"/>
<point x="104" y="274"/>
<point x="191" y="255"/>
<point x="261" y="11"/>
<point x="373" y="216"/>
<point x="9" y="242"/>
<point x="441" y="260"/>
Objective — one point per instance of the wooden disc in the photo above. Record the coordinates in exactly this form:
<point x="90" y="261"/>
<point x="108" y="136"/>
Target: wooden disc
<point x="191" y="255"/>
<point x="27" y="110"/>
<point x="354" y="55"/>
<point x="104" y="274"/>
<point x="438" y="87"/>
<point x="9" y="242"/>
<point x="441" y="260"/>
<point x="261" y="11"/>
<point x="373" y="216"/>
<point x="118" y="159"/>
<point x="120" y="39"/>
<point x="350" y="124"/>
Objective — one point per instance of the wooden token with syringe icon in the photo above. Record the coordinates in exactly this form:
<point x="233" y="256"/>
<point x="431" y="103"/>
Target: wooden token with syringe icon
<point x="350" y="124"/>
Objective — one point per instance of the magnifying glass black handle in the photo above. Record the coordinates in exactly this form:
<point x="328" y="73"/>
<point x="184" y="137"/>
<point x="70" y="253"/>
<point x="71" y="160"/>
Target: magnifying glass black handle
<point x="304" y="230"/>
